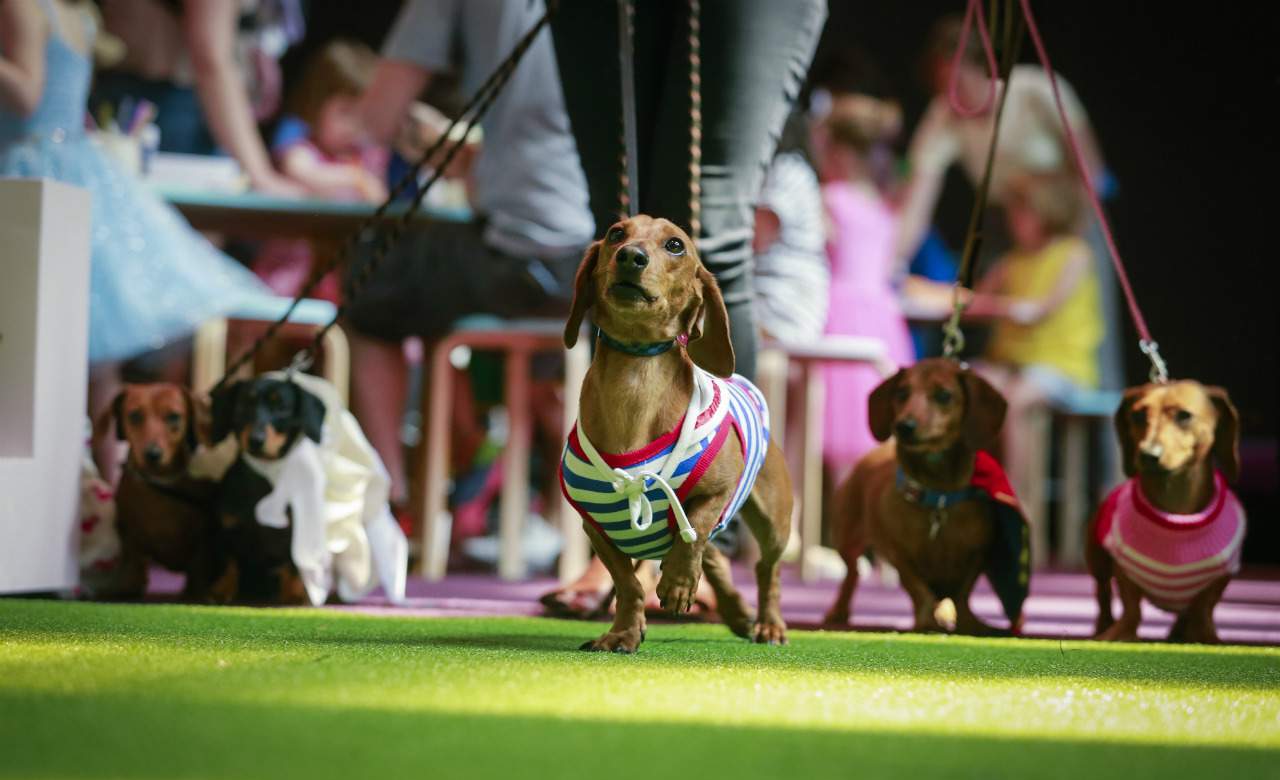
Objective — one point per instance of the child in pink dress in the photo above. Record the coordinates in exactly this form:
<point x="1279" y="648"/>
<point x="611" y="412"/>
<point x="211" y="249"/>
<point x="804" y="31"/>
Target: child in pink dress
<point x="852" y="145"/>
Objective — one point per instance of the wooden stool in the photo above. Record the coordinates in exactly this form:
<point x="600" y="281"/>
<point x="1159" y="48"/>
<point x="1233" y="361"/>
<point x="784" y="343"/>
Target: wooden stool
<point x="775" y="358"/>
<point x="518" y="340"/>
<point x="209" y="352"/>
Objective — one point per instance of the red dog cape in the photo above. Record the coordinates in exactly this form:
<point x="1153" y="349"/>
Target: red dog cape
<point x="1008" y="566"/>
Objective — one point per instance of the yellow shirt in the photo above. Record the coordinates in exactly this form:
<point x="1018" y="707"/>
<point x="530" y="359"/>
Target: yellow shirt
<point x="1067" y="339"/>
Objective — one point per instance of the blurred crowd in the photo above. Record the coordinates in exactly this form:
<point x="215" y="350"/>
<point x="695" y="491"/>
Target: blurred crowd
<point x="836" y="237"/>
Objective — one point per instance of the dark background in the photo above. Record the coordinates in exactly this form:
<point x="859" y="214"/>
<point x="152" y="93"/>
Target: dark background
<point x="1180" y="97"/>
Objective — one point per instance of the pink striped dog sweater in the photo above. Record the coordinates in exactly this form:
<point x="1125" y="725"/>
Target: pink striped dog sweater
<point x="1172" y="557"/>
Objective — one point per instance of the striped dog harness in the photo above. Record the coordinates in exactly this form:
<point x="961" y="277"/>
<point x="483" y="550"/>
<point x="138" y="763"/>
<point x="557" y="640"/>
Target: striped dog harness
<point x="1172" y="557"/>
<point x="635" y="499"/>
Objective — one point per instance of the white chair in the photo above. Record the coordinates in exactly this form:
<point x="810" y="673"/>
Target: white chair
<point x="773" y="370"/>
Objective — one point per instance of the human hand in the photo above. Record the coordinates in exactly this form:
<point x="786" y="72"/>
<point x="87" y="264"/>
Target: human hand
<point x="272" y="183"/>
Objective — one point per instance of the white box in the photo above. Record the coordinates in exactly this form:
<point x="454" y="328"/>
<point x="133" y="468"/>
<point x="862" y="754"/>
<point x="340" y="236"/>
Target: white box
<point x="44" y="343"/>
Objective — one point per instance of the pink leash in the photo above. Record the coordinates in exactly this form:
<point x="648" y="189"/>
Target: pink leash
<point x="1148" y="346"/>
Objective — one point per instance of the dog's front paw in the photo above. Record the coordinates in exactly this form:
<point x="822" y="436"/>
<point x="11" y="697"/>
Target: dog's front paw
<point x="677" y="592"/>
<point x="770" y="632"/>
<point x="625" y="642"/>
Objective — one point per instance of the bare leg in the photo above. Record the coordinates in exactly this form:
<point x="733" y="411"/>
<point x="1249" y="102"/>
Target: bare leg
<point x="378" y="400"/>
<point x="585" y="597"/>
<point x="628" y="628"/>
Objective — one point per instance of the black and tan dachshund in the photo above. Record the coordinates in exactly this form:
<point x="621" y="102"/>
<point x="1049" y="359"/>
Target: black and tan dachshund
<point x="267" y="416"/>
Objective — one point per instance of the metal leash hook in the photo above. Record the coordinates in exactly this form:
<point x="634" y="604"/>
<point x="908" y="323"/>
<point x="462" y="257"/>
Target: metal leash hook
<point x="952" y="335"/>
<point x="1159" y="371"/>
<point x="301" y="362"/>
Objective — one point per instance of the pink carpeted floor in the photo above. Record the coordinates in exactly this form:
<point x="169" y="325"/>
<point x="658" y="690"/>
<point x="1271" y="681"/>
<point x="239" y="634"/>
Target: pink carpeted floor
<point x="1061" y="604"/>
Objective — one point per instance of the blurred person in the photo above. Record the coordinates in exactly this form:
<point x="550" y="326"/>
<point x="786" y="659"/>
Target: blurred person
<point x="791" y="274"/>
<point x="1044" y="296"/>
<point x="791" y="297"/>
<point x="854" y="158"/>
<point x="320" y="144"/>
<point x="518" y="256"/>
<point x="152" y="279"/>
<point x="1032" y="138"/>
<point x="754" y="56"/>
<point x="188" y="58"/>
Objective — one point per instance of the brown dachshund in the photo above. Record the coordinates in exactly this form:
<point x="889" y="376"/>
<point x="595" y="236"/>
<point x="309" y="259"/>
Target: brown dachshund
<point x="930" y="501"/>
<point x="163" y="514"/>
<point x="660" y="312"/>
<point x="1172" y="533"/>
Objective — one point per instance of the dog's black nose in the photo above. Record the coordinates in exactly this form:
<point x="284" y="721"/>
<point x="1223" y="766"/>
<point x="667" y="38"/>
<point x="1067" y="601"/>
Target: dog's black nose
<point x="1149" y="460"/>
<point x="152" y="454"/>
<point x="257" y="440"/>
<point x="905" y="429"/>
<point x="632" y="255"/>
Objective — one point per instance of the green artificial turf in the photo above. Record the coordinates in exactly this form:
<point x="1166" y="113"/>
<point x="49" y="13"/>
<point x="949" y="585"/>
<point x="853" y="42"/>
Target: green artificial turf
<point x="96" y="691"/>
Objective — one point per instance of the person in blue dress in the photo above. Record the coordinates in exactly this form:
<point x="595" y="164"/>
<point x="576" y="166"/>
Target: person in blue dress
<point x="153" y="279"/>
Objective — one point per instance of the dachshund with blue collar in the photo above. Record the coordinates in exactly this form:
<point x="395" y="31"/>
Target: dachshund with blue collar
<point x="931" y="501"/>
<point x="670" y="445"/>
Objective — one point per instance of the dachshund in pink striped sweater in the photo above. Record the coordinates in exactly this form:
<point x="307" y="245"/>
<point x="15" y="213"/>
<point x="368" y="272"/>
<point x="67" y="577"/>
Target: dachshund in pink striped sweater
<point x="1172" y="533"/>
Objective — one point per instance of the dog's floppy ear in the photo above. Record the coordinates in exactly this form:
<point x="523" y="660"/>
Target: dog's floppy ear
<point x="584" y="294"/>
<point x="223" y="408"/>
<point x="1226" y="437"/>
<point x="984" y="410"/>
<point x="880" y="406"/>
<point x="1124" y="430"/>
<point x="108" y="417"/>
<point x="310" y="414"/>
<point x="709" y="343"/>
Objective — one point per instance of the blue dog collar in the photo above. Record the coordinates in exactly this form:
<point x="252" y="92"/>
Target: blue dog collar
<point x="639" y="350"/>
<point x="916" y="493"/>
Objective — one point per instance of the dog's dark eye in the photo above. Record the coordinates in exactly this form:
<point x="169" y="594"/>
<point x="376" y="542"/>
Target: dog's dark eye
<point x="616" y="234"/>
<point x="173" y="419"/>
<point x="942" y="396"/>
<point x="136" y="417"/>
<point x="274" y="401"/>
<point x="674" y="246"/>
<point x="1183" y="417"/>
<point x="1138" y="417"/>
<point x="901" y="394"/>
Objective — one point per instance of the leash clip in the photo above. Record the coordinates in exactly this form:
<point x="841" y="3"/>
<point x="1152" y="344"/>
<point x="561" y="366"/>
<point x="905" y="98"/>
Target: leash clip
<point x="301" y="362"/>
<point x="1159" y="370"/>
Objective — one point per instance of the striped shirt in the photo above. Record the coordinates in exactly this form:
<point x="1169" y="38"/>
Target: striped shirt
<point x="793" y="276"/>
<point x="718" y="406"/>
<point x="1172" y="557"/>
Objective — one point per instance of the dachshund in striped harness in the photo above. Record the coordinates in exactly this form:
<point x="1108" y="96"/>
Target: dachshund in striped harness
<point x="1172" y="533"/>
<point x="669" y="443"/>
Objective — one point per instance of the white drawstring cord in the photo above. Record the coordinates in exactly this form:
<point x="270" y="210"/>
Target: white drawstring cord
<point x="635" y="486"/>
